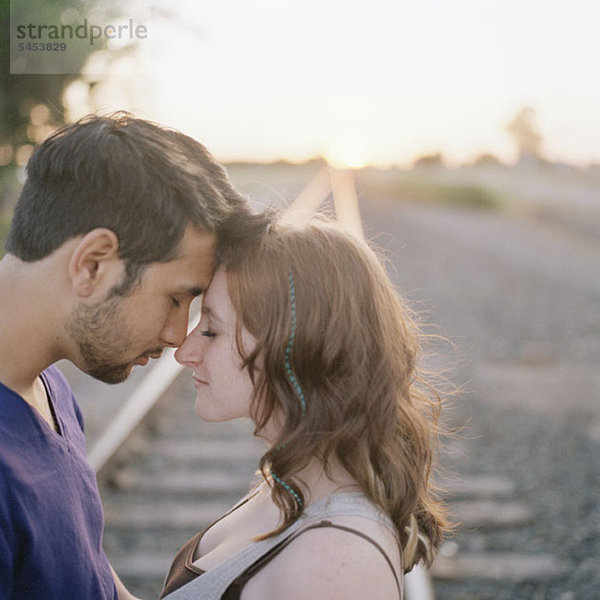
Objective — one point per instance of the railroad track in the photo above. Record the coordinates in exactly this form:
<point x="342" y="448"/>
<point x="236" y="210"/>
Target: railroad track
<point x="164" y="475"/>
<point x="486" y="510"/>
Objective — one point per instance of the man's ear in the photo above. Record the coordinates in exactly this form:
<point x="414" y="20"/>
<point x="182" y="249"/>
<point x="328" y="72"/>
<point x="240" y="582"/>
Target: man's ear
<point x="92" y="257"/>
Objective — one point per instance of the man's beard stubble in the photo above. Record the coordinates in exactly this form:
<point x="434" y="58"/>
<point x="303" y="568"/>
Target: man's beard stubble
<point x="102" y="339"/>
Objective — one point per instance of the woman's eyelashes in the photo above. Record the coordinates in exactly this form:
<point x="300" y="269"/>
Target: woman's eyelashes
<point x="207" y="333"/>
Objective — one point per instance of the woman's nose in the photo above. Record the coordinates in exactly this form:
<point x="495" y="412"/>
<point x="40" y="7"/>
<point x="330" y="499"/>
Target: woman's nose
<point x="189" y="352"/>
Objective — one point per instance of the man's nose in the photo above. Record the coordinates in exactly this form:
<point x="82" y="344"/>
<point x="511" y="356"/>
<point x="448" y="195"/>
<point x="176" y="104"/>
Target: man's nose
<point x="175" y="329"/>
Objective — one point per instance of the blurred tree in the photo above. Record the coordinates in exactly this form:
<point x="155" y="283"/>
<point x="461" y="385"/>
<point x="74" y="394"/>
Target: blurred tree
<point x="429" y="160"/>
<point x="527" y="136"/>
<point x="487" y="160"/>
<point x="30" y="105"/>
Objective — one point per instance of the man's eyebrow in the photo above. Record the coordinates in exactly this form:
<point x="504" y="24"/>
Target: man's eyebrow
<point x="192" y="290"/>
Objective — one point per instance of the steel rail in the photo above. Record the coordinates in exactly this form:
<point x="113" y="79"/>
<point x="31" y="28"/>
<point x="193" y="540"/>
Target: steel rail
<point x="133" y="411"/>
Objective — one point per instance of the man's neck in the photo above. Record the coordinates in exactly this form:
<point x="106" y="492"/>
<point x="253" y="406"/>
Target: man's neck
<point x="29" y="341"/>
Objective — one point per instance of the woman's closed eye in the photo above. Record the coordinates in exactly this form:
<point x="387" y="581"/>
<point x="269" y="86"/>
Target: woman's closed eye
<point x="207" y="333"/>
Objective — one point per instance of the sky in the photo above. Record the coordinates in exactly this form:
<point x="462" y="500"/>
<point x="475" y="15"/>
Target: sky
<point x="377" y="82"/>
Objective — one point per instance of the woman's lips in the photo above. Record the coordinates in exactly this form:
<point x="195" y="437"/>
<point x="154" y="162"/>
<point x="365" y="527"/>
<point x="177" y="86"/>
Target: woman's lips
<point x="199" y="382"/>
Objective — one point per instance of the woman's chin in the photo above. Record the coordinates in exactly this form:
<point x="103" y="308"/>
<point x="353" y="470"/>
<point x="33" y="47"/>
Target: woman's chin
<point x="204" y="413"/>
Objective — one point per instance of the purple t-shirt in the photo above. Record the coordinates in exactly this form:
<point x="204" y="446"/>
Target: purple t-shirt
<point x="51" y="518"/>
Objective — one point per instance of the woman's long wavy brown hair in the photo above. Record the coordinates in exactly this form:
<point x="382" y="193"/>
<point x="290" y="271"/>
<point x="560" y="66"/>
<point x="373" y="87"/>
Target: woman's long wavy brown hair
<point x="355" y="356"/>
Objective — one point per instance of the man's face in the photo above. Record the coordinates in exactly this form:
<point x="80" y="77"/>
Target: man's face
<point x="119" y="332"/>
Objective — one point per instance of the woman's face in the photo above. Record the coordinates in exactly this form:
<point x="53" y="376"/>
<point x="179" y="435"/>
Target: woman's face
<point x="224" y="389"/>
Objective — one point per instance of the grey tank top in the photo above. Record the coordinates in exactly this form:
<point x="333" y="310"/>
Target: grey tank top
<point x="212" y="584"/>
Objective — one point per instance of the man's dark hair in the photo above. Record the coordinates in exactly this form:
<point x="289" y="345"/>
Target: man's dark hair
<point x="144" y="182"/>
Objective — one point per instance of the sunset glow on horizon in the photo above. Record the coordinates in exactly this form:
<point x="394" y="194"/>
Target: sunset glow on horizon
<point x="361" y="84"/>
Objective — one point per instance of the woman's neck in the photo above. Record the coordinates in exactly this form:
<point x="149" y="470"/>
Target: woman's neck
<point x="316" y="483"/>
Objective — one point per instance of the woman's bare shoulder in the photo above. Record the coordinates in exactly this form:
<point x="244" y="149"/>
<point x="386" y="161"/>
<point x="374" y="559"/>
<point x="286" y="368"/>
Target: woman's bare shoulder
<point x="325" y="563"/>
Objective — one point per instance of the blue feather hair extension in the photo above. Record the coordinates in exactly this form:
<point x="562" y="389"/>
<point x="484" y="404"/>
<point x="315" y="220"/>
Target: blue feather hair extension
<point x="288" y="488"/>
<point x="293" y="381"/>
<point x="288" y="350"/>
